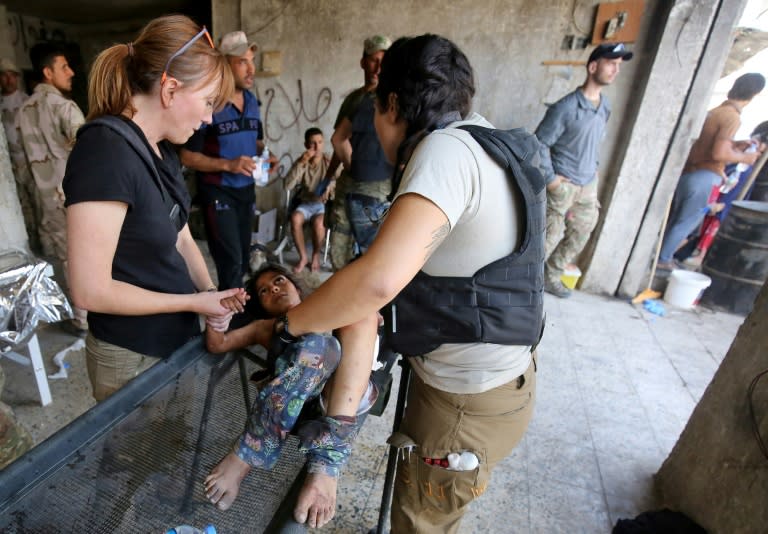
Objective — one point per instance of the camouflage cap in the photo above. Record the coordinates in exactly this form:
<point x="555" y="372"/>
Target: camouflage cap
<point x="375" y="44"/>
<point x="8" y="65"/>
<point x="235" y="44"/>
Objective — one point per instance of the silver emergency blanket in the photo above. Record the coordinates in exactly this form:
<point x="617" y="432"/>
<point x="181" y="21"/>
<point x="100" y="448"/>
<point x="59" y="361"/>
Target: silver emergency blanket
<point x="27" y="295"/>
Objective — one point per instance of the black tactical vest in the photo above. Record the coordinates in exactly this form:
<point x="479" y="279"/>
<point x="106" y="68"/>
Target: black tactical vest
<point x="502" y="303"/>
<point x="368" y="161"/>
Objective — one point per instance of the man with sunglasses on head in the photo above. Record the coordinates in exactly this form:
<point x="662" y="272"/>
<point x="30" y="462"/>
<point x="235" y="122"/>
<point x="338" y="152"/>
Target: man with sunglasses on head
<point x="47" y="127"/>
<point x="570" y="135"/>
<point x="222" y="154"/>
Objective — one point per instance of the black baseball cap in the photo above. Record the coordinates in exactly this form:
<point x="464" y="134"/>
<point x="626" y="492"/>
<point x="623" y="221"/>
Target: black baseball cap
<point x="610" y="51"/>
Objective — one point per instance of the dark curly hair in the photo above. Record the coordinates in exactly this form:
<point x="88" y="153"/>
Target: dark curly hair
<point x="434" y="84"/>
<point x="747" y="86"/>
<point x="253" y="307"/>
<point x="761" y="131"/>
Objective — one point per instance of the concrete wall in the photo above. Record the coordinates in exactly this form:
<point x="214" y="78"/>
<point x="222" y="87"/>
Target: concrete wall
<point x="716" y="473"/>
<point x="505" y="40"/>
<point x="13" y="233"/>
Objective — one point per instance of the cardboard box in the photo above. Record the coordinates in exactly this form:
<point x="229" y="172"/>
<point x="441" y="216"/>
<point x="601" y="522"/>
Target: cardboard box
<point x="266" y="226"/>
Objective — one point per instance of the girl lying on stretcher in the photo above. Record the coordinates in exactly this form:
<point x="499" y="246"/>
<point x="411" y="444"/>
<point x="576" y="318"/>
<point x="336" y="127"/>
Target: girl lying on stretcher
<point x="302" y="369"/>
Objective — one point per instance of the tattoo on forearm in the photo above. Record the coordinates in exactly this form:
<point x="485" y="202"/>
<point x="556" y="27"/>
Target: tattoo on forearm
<point x="437" y="237"/>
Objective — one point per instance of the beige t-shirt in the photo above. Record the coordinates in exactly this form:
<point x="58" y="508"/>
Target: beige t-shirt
<point x="486" y="213"/>
<point x="308" y="176"/>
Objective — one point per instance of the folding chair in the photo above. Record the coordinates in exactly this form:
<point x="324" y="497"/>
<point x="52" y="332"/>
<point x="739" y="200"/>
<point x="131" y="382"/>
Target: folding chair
<point x="285" y="239"/>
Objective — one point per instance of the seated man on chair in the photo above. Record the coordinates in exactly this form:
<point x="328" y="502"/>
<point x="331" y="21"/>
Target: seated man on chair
<point x="307" y="173"/>
<point x="301" y="368"/>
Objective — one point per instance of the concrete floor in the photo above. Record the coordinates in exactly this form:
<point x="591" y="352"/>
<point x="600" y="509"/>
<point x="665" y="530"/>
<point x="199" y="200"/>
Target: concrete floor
<point x="616" y="386"/>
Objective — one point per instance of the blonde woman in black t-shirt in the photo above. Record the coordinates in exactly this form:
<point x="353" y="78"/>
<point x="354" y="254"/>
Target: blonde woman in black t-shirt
<point x="133" y="263"/>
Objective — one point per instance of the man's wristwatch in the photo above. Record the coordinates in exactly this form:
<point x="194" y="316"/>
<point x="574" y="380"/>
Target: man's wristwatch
<point x="281" y="330"/>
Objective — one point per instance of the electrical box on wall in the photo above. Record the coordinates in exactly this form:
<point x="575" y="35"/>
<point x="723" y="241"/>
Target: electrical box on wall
<point x="618" y="21"/>
<point x="271" y="63"/>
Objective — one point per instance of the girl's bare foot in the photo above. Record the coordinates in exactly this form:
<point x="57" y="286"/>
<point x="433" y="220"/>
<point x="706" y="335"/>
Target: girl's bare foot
<point x="316" y="504"/>
<point x="223" y="484"/>
<point x="300" y="265"/>
<point x="315" y="263"/>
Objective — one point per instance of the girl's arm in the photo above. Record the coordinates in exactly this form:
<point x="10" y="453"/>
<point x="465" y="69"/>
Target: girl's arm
<point x="257" y="332"/>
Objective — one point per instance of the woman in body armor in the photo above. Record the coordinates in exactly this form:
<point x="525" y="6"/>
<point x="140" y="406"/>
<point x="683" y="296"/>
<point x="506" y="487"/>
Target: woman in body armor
<point x="463" y="245"/>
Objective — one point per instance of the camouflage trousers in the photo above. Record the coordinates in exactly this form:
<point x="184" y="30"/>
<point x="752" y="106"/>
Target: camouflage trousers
<point x="343" y="243"/>
<point x="53" y="223"/>
<point x="572" y="212"/>
<point x="53" y="237"/>
<point x="14" y="439"/>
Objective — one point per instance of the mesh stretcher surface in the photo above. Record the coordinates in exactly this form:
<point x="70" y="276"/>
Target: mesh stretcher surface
<point x="146" y="473"/>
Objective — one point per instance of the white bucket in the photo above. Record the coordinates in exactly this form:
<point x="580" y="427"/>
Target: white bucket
<point x="685" y="288"/>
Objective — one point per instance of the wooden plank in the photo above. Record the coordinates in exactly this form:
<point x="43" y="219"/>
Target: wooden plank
<point x="629" y="31"/>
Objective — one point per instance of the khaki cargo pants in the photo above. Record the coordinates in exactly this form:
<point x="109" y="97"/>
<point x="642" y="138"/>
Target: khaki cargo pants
<point x="432" y="499"/>
<point x="111" y="367"/>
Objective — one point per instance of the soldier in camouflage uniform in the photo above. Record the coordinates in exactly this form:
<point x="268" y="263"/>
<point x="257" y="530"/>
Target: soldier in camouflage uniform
<point x="14" y="439"/>
<point x="48" y="124"/>
<point x="570" y="135"/>
<point x="367" y="174"/>
<point x="11" y="99"/>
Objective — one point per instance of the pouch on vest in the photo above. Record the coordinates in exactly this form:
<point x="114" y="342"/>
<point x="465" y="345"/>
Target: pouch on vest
<point x="502" y="303"/>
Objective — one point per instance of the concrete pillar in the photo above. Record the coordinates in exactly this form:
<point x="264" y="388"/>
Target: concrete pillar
<point x="716" y="40"/>
<point x="13" y="233"/>
<point x="716" y="473"/>
<point x="691" y="53"/>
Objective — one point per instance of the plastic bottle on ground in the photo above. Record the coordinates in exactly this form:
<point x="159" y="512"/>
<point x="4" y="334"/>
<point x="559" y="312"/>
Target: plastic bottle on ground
<point x="186" y="529"/>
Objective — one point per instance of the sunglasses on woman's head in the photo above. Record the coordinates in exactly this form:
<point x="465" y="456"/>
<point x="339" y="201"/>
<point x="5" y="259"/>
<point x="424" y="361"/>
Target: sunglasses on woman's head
<point x="183" y="49"/>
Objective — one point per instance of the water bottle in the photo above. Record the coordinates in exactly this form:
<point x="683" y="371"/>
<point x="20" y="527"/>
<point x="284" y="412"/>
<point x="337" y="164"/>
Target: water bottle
<point x="256" y="173"/>
<point x="265" y="165"/>
<point x="186" y="529"/>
